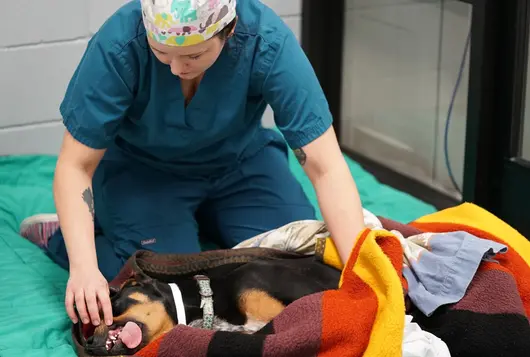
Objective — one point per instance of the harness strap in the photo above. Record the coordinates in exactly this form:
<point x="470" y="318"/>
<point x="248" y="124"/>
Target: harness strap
<point x="179" y="303"/>
<point x="206" y="293"/>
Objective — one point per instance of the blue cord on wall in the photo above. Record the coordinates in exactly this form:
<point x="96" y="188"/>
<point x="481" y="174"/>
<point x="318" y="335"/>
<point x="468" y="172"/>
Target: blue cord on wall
<point x="449" y="113"/>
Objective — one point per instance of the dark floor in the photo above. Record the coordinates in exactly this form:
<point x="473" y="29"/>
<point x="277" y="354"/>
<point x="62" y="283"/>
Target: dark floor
<point x="403" y="183"/>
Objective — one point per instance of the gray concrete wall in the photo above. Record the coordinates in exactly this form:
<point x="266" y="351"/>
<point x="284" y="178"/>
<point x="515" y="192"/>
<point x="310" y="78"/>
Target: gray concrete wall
<point x="37" y="61"/>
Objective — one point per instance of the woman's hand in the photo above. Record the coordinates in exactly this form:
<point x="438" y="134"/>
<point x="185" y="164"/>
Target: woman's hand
<point x="88" y="289"/>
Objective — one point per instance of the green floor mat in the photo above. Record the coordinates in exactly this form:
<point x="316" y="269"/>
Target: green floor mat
<point x="32" y="317"/>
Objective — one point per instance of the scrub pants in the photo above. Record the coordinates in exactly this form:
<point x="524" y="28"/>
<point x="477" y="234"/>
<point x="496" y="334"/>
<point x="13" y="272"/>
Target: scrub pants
<point x="139" y="207"/>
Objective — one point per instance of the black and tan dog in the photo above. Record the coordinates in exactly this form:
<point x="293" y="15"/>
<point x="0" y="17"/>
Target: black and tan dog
<point x="234" y="297"/>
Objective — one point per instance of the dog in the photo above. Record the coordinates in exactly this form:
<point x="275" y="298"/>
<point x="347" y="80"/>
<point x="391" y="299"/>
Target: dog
<point x="234" y="297"/>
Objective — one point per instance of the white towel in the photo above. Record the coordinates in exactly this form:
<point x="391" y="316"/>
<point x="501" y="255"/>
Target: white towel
<point x="419" y="343"/>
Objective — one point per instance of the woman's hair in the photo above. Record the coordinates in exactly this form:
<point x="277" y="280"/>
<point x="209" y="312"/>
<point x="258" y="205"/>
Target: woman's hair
<point x="223" y="34"/>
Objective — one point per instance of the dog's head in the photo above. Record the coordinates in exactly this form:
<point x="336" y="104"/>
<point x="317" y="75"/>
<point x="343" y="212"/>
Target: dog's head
<point x="142" y="312"/>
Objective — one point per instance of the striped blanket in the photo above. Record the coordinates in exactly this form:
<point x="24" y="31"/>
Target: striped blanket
<point x="365" y="315"/>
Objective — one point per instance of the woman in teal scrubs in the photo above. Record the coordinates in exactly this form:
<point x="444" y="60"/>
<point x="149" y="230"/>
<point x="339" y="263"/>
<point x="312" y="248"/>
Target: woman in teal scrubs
<point x="164" y="143"/>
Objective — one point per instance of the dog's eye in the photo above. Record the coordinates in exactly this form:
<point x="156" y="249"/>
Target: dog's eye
<point x="130" y="283"/>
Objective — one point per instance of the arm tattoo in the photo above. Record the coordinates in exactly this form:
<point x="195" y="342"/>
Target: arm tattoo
<point x="89" y="200"/>
<point x="300" y="156"/>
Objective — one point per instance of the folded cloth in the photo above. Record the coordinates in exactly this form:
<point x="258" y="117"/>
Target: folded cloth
<point x="419" y="343"/>
<point x="439" y="267"/>
<point x="299" y="236"/>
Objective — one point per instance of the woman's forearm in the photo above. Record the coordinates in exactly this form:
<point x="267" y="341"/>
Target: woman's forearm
<point x="74" y="202"/>
<point x="341" y="208"/>
<point x="336" y="191"/>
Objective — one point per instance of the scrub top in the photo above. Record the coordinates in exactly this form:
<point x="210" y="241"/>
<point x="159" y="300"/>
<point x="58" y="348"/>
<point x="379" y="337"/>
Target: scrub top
<point x="122" y="98"/>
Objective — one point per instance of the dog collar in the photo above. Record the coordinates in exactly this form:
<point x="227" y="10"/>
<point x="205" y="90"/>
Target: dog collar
<point x="179" y="303"/>
<point x="206" y="293"/>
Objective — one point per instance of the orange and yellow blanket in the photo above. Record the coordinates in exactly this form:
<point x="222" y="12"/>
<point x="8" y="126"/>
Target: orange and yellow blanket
<point x="365" y="316"/>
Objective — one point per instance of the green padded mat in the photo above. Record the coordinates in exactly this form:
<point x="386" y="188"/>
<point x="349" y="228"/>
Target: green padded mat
<point x="32" y="317"/>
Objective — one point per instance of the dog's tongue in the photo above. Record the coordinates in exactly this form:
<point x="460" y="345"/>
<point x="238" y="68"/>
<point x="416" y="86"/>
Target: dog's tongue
<point x="131" y="335"/>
